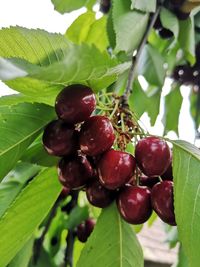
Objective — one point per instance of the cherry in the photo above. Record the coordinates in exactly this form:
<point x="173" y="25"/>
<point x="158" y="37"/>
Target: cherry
<point x="177" y="3"/>
<point x="74" y="172"/>
<point x="85" y="229"/>
<point x="168" y="174"/>
<point x="98" y="195"/>
<point x="105" y="6"/>
<point x="162" y="201"/>
<point x="148" y="181"/>
<point x="183" y="74"/>
<point x="152" y="156"/>
<point x="134" y="204"/>
<point x="75" y="103"/>
<point x="158" y="25"/>
<point x="165" y="33"/>
<point x="115" y="168"/>
<point x="181" y="15"/>
<point x="96" y="135"/>
<point x="59" y="138"/>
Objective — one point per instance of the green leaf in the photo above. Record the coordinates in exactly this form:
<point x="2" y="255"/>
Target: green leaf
<point x="138" y="99"/>
<point x="26" y="213"/>
<point x="144" y="5"/>
<point x="19" y="126"/>
<point x="169" y="21"/>
<point x="65" y="6"/>
<point x="23" y="256"/>
<point x="173" y="103"/>
<point x="77" y="215"/>
<point x="186" y="168"/>
<point x="83" y="64"/>
<point x="79" y="29"/>
<point x="10" y="100"/>
<point x="110" y="30"/>
<point x="129" y="26"/>
<point x="86" y="29"/>
<point x="36" y="154"/>
<point x="113" y="243"/>
<point x="151" y="66"/>
<point x="153" y="105"/>
<point x="182" y="260"/>
<point x="98" y="28"/>
<point x="14" y="182"/>
<point x="187" y="38"/>
<point x="36" y="46"/>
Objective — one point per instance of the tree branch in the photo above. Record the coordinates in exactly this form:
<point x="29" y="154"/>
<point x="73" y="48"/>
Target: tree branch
<point x="68" y="259"/>
<point x="135" y="59"/>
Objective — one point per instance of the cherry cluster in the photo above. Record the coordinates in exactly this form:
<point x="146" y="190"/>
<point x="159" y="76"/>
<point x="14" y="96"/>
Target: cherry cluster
<point x="89" y="162"/>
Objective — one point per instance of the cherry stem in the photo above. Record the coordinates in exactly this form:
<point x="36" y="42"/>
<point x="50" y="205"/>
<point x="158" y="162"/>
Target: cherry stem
<point x="135" y="58"/>
<point x="68" y="259"/>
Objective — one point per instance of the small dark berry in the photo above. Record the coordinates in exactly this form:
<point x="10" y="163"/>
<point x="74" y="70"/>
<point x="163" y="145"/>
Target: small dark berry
<point x="115" y="169"/>
<point x="74" y="172"/>
<point x="134" y="204"/>
<point x="60" y="139"/>
<point x="96" y="136"/>
<point x="98" y="195"/>
<point x="75" y="103"/>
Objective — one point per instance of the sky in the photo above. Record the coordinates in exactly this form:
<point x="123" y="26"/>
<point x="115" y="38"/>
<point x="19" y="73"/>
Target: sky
<point x="41" y="14"/>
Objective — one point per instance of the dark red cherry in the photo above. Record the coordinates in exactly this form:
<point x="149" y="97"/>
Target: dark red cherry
<point x="168" y="174"/>
<point x="115" y="169"/>
<point x="85" y="229"/>
<point x="162" y="201"/>
<point x="165" y="33"/>
<point x="177" y="3"/>
<point x="181" y="15"/>
<point x="59" y="138"/>
<point x="74" y="172"/>
<point x="75" y="103"/>
<point x="98" y="195"/>
<point x="96" y="136"/>
<point x="158" y="24"/>
<point x="152" y="156"/>
<point x="148" y="181"/>
<point x="105" y="6"/>
<point x="134" y="204"/>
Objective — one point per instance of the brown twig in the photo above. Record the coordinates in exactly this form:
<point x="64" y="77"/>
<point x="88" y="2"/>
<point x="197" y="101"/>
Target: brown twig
<point x="135" y="59"/>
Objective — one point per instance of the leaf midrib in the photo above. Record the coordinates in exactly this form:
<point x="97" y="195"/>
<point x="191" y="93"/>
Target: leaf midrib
<point x="21" y="141"/>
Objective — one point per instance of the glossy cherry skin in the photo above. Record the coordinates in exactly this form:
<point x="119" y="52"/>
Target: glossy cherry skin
<point x="59" y="138"/>
<point x="98" y="195"/>
<point x="75" y="103"/>
<point x="85" y="229"/>
<point x="162" y="201"/>
<point x="148" y="181"/>
<point x="152" y="156"/>
<point x="115" y="169"/>
<point x="96" y="135"/>
<point x="168" y="174"/>
<point x="74" y="172"/>
<point x="134" y="204"/>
